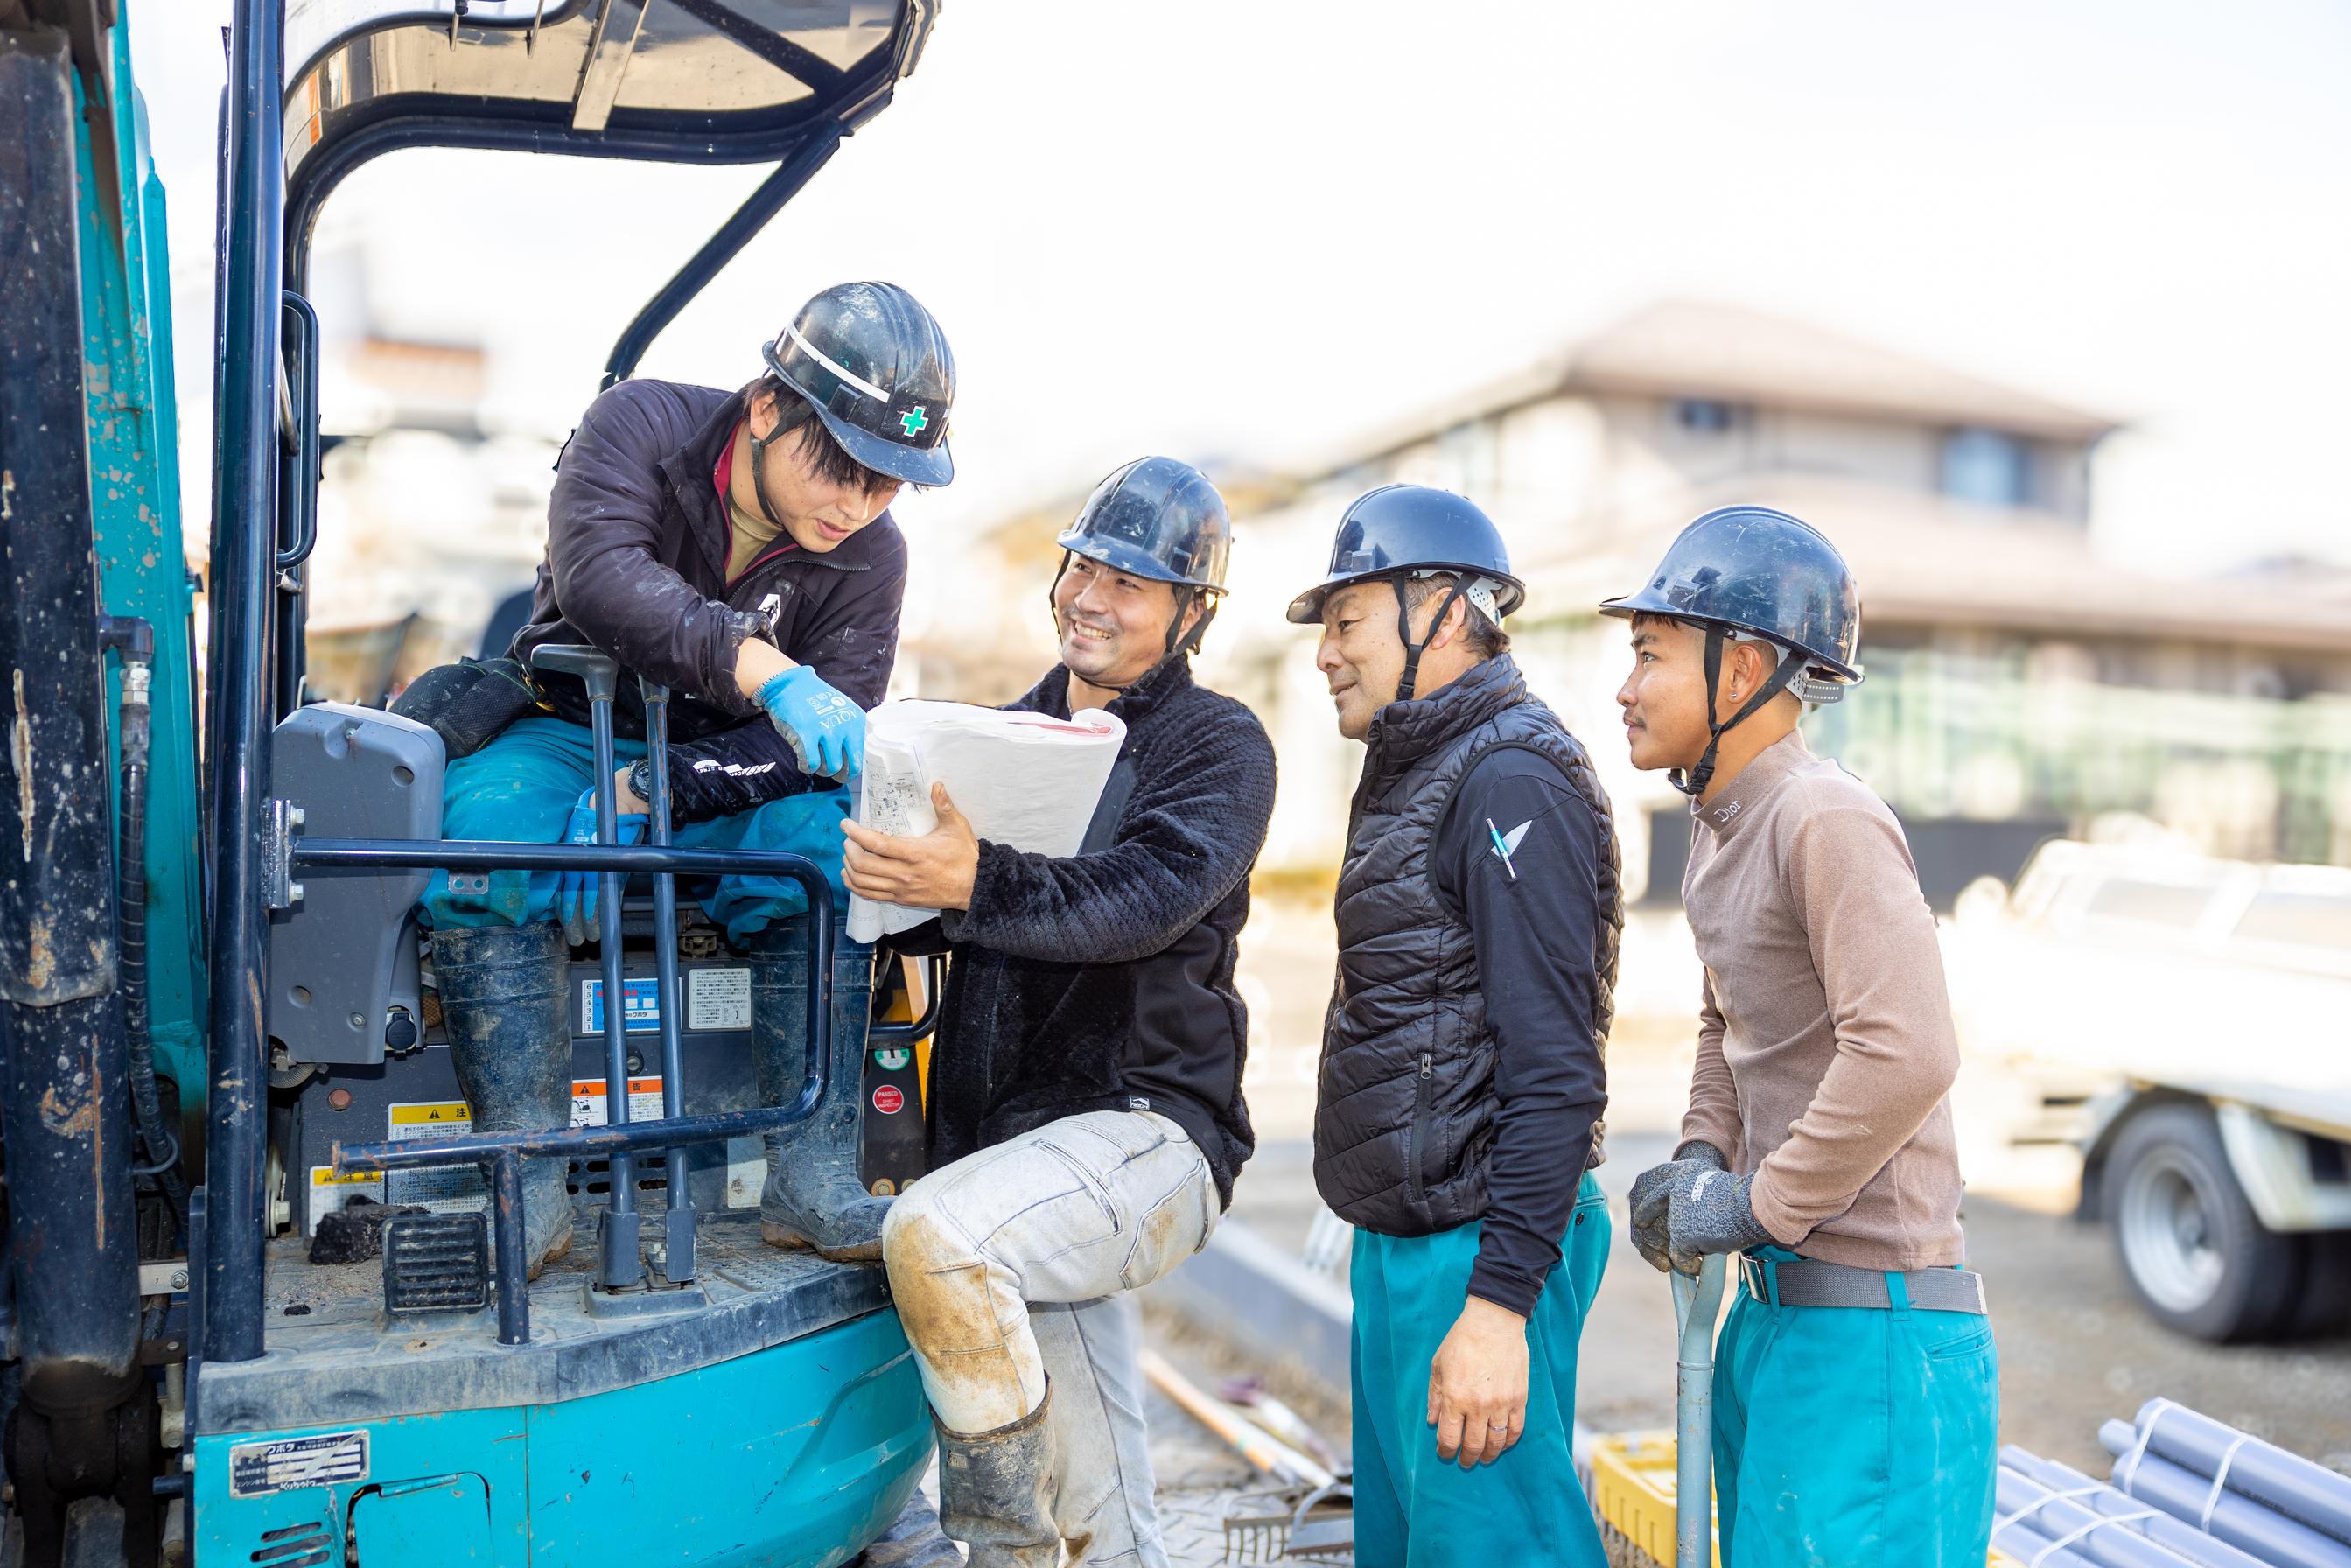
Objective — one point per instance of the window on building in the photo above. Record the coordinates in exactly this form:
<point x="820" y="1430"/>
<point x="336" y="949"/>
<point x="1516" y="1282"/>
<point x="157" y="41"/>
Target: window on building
<point x="1985" y="466"/>
<point x="1707" y="415"/>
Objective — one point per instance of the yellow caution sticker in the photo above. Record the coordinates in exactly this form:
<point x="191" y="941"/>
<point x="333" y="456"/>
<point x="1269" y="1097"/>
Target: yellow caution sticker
<point x="445" y="1189"/>
<point x="330" y="1191"/>
<point x="434" y="1116"/>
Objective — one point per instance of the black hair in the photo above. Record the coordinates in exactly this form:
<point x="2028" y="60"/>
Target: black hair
<point x="1486" y="640"/>
<point x="830" y="460"/>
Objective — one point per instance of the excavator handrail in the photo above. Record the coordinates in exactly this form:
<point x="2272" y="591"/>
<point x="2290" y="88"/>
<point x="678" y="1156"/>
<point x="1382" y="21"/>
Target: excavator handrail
<point x="504" y="1152"/>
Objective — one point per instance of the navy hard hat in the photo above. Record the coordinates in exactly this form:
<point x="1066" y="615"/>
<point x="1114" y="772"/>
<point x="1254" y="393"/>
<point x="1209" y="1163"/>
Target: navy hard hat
<point x="1764" y="574"/>
<point x="1400" y="530"/>
<point x="877" y="370"/>
<point x="1155" y="518"/>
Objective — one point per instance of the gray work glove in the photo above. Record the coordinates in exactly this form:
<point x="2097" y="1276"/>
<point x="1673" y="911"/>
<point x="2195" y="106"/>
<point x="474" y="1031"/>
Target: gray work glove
<point x="1652" y="1188"/>
<point x="1710" y="1211"/>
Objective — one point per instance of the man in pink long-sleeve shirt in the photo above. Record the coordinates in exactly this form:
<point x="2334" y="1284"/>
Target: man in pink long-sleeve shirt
<point x="1857" y="1385"/>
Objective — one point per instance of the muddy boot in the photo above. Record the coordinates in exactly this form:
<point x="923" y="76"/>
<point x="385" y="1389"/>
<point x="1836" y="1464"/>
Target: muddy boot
<point x="503" y="1003"/>
<point x="996" y="1492"/>
<point x="813" y="1197"/>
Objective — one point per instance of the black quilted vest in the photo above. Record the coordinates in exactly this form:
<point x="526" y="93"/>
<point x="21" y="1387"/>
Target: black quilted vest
<point x="1405" y="1113"/>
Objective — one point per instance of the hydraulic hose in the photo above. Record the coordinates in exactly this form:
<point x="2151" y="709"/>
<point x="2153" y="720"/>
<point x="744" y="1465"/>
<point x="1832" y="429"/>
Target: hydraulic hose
<point x="160" y="1149"/>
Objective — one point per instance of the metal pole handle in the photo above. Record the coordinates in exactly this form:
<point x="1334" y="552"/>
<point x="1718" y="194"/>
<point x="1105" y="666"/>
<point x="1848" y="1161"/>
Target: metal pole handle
<point x="678" y="1222"/>
<point x="1696" y="1304"/>
<point x="618" y="1263"/>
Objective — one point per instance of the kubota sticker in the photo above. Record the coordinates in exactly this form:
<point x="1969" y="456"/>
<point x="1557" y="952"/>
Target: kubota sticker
<point x="330" y="1459"/>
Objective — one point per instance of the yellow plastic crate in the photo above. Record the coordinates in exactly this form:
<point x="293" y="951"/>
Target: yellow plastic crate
<point x="1633" y="1496"/>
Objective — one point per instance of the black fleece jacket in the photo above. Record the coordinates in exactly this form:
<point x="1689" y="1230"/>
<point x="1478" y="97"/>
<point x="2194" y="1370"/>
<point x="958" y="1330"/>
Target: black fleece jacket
<point x="637" y="564"/>
<point x="1104" y="980"/>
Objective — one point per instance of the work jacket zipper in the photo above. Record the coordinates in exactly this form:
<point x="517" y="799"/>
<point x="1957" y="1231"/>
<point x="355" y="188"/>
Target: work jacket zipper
<point x="1419" y="1130"/>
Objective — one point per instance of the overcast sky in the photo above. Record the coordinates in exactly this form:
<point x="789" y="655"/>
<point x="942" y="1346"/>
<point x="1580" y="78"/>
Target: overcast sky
<point x="1246" y="231"/>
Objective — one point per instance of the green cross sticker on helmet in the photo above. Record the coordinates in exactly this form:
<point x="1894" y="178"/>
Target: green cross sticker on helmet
<point x="912" y="422"/>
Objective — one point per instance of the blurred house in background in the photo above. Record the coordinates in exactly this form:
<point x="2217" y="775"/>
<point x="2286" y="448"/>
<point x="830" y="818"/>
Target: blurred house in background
<point x="429" y="516"/>
<point x="2020" y="681"/>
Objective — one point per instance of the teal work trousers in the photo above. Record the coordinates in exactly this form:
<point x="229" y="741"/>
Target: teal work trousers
<point x="520" y="788"/>
<point x="1853" y="1437"/>
<point x="1414" y="1509"/>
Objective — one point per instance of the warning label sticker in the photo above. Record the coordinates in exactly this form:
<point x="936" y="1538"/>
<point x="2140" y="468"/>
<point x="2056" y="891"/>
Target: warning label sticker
<point x="589" y="1095"/>
<point x="330" y="1459"/>
<point x="718" y="998"/>
<point x="640" y="1009"/>
<point x="329" y="1192"/>
<point x="445" y="1189"/>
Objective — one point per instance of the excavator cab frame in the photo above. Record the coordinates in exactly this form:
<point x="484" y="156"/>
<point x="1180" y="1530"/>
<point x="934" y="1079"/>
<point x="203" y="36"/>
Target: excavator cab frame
<point x="317" y="1423"/>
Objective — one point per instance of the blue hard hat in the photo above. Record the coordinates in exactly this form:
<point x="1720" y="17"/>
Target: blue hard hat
<point x="1410" y="529"/>
<point x="1155" y="518"/>
<point x="1768" y="575"/>
<point x="875" y="367"/>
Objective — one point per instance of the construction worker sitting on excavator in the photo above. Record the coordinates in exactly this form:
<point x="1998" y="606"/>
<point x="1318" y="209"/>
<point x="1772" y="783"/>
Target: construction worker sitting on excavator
<point x="1457" y="1121"/>
<point x="1085" y="1092"/>
<point x="733" y="547"/>
<point x="1856" y="1385"/>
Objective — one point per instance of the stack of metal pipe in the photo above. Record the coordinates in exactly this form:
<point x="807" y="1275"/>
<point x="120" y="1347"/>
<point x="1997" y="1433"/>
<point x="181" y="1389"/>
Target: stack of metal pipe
<point x="2055" y="1516"/>
<point x="2277" y="1508"/>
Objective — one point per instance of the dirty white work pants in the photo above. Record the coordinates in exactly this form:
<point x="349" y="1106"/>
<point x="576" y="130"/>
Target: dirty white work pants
<point x="1009" y="1265"/>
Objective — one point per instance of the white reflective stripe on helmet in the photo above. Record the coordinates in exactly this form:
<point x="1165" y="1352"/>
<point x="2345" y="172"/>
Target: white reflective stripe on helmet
<point x="847" y="375"/>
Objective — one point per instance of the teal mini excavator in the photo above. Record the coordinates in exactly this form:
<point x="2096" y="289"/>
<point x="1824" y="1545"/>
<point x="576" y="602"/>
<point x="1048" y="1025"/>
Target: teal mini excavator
<point x="217" y="1018"/>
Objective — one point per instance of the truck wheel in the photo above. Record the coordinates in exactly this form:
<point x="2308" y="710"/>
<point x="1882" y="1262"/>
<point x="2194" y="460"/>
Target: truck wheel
<point x="2324" y="1308"/>
<point x="2199" y="1260"/>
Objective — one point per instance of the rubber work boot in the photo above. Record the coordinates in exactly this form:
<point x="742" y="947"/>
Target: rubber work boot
<point x="996" y="1492"/>
<point x="813" y="1197"/>
<point x="503" y="1003"/>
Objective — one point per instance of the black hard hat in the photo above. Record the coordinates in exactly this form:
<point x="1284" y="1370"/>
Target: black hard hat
<point x="1400" y="530"/>
<point x="877" y="370"/>
<point x="1155" y="518"/>
<point x="1767" y="574"/>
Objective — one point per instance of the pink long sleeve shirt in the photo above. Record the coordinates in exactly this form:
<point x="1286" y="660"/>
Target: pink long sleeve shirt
<point x="1825" y="1048"/>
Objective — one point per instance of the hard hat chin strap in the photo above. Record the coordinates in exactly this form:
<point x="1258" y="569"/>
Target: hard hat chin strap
<point x="1694" y="784"/>
<point x="1412" y="650"/>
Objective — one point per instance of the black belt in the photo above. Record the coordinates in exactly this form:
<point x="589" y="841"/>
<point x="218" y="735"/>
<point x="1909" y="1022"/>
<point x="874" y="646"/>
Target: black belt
<point x="1807" y="1282"/>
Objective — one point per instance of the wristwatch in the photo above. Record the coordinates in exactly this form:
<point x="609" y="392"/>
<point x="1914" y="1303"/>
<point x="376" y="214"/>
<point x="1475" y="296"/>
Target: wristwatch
<point x="641" y="778"/>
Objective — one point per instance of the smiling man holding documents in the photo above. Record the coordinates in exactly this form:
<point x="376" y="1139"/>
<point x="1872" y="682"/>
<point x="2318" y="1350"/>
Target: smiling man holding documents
<point x="1086" y="1113"/>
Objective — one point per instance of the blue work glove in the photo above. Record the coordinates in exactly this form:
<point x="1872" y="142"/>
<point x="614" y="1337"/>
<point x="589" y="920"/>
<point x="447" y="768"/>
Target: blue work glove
<point x="1653" y="1193"/>
<point x="825" y="729"/>
<point x="575" y="891"/>
<point x="1710" y="1211"/>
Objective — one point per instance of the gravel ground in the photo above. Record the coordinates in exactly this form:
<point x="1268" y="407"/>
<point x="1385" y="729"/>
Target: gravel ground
<point x="2076" y="1349"/>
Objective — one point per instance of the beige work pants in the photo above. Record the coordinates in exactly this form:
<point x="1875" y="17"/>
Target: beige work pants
<point x="1063" y="1220"/>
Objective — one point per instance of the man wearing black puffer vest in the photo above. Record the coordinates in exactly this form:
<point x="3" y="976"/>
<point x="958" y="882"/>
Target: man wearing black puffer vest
<point x="1457" y="1118"/>
<point x="1085" y="1094"/>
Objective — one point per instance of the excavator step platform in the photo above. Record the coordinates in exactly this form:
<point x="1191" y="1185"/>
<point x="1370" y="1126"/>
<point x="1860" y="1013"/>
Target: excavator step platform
<point x="334" y="1353"/>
